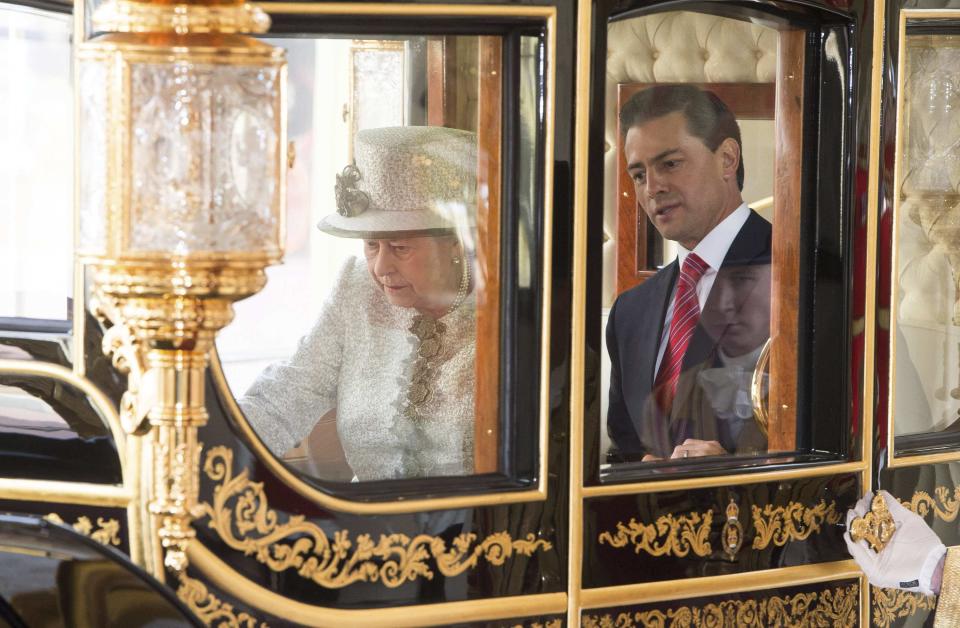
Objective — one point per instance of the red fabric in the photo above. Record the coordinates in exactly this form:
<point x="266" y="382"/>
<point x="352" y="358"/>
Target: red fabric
<point x="686" y="315"/>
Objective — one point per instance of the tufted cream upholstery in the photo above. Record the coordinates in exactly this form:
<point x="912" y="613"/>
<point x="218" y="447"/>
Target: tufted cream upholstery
<point x="682" y="47"/>
<point x="690" y="48"/>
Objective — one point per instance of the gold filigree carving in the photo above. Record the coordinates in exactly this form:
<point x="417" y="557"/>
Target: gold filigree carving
<point x="876" y="527"/>
<point x="945" y="506"/>
<point x="732" y="534"/>
<point x="106" y="532"/>
<point x="830" y="607"/>
<point x="210" y="609"/>
<point x="669" y="536"/>
<point x="793" y="522"/>
<point x="552" y="623"/>
<point x="241" y="516"/>
<point x="892" y="604"/>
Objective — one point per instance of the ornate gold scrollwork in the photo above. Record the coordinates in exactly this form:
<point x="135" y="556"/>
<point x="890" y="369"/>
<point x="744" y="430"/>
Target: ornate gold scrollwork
<point x="891" y="604"/>
<point x="945" y="506"/>
<point x="126" y="354"/>
<point x="793" y="522"/>
<point x="552" y="623"/>
<point x="830" y="607"/>
<point x="669" y="536"/>
<point x="209" y="608"/>
<point x="732" y="534"/>
<point x="876" y="527"/>
<point x="106" y="532"/>
<point x="241" y="516"/>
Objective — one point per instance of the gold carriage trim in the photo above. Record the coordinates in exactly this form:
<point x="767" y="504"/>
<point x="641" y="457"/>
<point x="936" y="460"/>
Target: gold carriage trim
<point x="106" y="532"/>
<point x="669" y="536"/>
<point x="552" y="623"/>
<point x="210" y="609"/>
<point x="944" y="506"/>
<point x="876" y="527"/>
<point x="732" y="533"/>
<point x="241" y="516"/>
<point x="892" y="604"/>
<point x="793" y="522"/>
<point x="831" y="607"/>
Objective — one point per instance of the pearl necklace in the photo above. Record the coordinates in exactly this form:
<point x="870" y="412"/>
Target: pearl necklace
<point x="464" y="286"/>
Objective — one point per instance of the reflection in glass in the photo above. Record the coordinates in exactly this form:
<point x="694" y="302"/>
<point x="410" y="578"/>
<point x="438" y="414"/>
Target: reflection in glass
<point x="926" y="377"/>
<point x="49" y="430"/>
<point x="360" y="360"/>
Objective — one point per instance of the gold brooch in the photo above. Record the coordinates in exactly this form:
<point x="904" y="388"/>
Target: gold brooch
<point x="876" y="527"/>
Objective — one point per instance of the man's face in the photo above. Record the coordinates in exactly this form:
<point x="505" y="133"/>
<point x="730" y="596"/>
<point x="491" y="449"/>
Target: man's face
<point x="682" y="185"/>
<point x="737" y="313"/>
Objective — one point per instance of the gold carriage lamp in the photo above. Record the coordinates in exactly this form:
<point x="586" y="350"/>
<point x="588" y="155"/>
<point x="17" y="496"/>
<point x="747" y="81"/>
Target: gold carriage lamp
<point x="182" y="125"/>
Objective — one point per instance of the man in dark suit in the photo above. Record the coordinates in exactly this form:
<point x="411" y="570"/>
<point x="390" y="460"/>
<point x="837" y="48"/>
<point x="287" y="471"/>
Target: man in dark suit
<point x="683" y="152"/>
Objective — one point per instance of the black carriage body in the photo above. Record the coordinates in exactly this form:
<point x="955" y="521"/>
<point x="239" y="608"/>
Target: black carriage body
<point x="560" y="533"/>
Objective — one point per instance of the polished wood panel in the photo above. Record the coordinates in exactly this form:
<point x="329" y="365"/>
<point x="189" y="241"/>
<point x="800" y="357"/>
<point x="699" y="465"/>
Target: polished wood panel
<point x="452" y="85"/>
<point x="785" y="270"/>
<point x="746" y="100"/>
<point x="487" y="280"/>
<point x="441" y="59"/>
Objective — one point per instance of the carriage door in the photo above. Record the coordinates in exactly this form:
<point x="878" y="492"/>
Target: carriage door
<point x="750" y="532"/>
<point x="353" y="520"/>
<point x="917" y="350"/>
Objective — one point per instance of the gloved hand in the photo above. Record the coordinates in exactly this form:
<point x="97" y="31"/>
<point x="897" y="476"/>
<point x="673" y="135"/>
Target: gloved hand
<point x="911" y="557"/>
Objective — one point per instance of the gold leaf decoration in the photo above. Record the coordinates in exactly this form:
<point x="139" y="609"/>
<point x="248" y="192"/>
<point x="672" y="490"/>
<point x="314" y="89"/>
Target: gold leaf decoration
<point x="945" y="506"/>
<point x="669" y="536"/>
<point x="210" y="609"/>
<point x="732" y="534"/>
<point x="607" y="621"/>
<point x="241" y="516"/>
<point x="552" y="623"/>
<point x="876" y="527"/>
<point x="891" y="604"/>
<point x="106" y="532"/>
<point x="793" y="522"/>
<point x="831" y="607"/>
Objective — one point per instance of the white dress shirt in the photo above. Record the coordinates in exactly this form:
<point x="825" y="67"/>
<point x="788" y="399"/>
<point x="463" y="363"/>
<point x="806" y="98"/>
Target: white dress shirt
<point x="712" y="249"/>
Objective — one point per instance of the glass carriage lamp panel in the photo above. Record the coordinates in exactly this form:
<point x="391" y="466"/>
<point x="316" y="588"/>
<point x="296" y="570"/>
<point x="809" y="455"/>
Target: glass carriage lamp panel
<point x="185" y="155"/>
<point x="925" y="339"/>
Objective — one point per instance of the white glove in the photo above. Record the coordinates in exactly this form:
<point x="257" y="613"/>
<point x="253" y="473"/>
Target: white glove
<point x="911" y="557"/>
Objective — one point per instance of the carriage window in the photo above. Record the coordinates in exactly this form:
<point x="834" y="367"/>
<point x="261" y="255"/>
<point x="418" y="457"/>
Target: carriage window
<point x="36" y="164"/>
<point x="702" y="228"/>
<point x="925" y="385"/>
<point x="375" y="351"/>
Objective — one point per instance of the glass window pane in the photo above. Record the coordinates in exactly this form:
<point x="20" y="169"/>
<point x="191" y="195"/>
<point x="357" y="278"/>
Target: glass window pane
<point x="374" y="352"/>
<point x="693" y="289"/>
<point x="926" y="344"/>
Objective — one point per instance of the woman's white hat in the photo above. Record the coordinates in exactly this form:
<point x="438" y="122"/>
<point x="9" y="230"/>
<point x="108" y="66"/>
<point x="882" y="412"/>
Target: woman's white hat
<point x="406" y="181"/>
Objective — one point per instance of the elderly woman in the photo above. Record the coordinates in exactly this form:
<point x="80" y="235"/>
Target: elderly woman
<point x="392" y="353"/>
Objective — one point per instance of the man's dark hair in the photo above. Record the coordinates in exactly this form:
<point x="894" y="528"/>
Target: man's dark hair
<point x="708" y="117"/>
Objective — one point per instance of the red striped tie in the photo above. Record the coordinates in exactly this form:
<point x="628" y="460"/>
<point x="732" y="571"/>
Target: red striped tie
<point x="686" y="315"/>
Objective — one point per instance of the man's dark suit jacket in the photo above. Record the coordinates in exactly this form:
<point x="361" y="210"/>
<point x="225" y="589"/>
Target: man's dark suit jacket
<point x="633" y="337"/>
